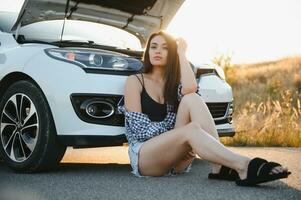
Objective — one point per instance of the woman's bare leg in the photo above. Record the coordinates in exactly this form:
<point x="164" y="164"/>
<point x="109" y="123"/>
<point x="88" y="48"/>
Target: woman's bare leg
<point x="182" y="119"/>
<point x="160" y="153"/>
<point x="200" y="113"/>
<point x="193" y="108"/>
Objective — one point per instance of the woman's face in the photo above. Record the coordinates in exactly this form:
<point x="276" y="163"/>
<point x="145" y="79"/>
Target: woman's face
<point x="158" y="51"/>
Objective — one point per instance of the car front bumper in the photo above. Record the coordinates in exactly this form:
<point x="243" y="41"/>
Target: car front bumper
<point x="226" y="130"/>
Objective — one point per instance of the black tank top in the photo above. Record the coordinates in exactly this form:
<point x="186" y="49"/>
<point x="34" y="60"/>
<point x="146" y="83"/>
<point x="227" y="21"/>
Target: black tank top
<point x="155" y="111"/>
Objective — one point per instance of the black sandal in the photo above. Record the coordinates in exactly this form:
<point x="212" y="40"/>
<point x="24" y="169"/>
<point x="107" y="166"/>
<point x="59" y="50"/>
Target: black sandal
<point x="225" y="173"/>
<point x="259" y="172"/>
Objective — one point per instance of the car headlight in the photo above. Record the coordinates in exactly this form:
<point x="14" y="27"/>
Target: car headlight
<point x="220" y="72"/>
<point x="96" y="59"/>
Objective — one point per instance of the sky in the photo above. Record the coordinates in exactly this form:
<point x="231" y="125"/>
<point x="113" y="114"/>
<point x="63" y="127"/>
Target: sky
<point x="247" y="30"/>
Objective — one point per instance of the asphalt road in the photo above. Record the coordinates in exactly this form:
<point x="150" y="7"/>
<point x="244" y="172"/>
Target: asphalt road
<point x="104" y="173"/>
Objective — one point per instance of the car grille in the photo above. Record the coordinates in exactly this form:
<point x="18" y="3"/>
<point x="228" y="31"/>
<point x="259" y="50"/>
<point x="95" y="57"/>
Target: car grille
<point x="217" y="110"/>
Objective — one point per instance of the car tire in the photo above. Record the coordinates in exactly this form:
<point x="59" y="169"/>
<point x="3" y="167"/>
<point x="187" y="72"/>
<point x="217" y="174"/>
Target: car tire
<point x="28" y="136"/>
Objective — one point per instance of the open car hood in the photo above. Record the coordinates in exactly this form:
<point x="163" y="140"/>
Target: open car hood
<point x="139" y="17"/>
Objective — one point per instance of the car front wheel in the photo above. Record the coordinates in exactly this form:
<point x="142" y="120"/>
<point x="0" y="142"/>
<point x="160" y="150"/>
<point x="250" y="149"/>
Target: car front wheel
<point x="27" y="131"/>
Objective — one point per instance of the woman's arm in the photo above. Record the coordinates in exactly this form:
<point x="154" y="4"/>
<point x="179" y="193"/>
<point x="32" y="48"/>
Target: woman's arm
<point x="132" y="97"/>
<point x="188" y="81"/>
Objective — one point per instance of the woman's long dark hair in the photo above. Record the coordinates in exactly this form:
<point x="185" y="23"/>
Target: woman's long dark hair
<point x="172" y="73"/>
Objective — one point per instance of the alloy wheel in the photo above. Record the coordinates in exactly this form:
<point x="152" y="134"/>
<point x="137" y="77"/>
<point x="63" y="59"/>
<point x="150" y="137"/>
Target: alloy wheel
<point x="19" y="127"/>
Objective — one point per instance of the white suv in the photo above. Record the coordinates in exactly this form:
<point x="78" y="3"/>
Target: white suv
<point x="62" y="72"/>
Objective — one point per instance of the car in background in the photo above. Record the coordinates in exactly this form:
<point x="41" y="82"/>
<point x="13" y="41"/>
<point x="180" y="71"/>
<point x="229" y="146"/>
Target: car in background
<point x="63" y="65"/>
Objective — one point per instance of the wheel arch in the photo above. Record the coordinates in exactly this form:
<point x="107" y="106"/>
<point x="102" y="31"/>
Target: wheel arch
<point x="12" y="78"/>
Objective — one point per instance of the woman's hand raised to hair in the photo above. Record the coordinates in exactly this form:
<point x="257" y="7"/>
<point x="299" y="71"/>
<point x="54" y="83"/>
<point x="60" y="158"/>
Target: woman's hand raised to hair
<point x="188" y="80"/>
<point x="181" y="46"/>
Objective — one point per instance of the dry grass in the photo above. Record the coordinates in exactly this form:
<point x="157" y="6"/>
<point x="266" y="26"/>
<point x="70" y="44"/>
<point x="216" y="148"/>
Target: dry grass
<point x="267" y="103"/>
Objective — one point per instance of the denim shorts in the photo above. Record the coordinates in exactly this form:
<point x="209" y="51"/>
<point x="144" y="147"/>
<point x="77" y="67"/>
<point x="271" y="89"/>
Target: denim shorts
<point x="133" y="151"/>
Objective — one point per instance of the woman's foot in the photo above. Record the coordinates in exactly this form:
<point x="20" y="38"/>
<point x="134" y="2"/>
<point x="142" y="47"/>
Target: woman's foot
<point x="216" y="169"/>
<point x="243" y="173"/>
<point x="223" y="173"/>
<point x="259" y="170"/>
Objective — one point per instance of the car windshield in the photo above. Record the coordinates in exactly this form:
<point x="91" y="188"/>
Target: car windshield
<point x="74" y="30"/>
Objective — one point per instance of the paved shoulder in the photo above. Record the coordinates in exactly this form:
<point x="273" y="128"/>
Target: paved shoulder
<point x="104" y="173"/>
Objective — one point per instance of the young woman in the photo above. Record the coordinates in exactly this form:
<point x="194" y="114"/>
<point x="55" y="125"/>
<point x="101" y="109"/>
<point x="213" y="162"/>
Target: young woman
<point x="168" y="123"/>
